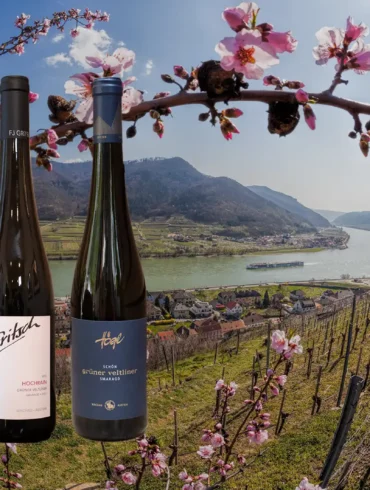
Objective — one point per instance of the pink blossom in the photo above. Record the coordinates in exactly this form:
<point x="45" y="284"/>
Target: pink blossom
<point x="219" y="385"/>
<point x="247" y="54"/>
<point x="217" y="440"/>
<point x="32" y="97"/>
<point x="257" y="437"/>
<point x="185" y="477"/>
<point x="272" y="80"/>
<point x="206" y="452"/>
<point x="207" y="435"/>
<point x="281" y="380"/>
<point x="74" y="32"/>
<point x="248" y="402"/>
<point x="83" y="89"/>
<point x="281" y="42"/>
<point x="353" y="31"/>
<point x="4" y="459"/>
<point x="239" y="17"/>
<point x="241" y="459"/>
<point x="45" y="27"/>
<point x="294" y="84"/>
<point x="19" y="48"/>
<point x="104" y="17"/>
<point x="360" y="62"/>
<point x="233" y="386"/>
<point x="74" y="13"/>
<point x="278" y="341"/>
<point x="129" y="478"/>
<point x="302" y="96"/>
<point x="131" y="98"/>
<point x="119" y="468"/>
<point x="180" y="72"/>
<point x="83" y="145"/>
<point x="122" y="59"/>
<point x="21" y="20"/>
<point x="219" y="426"/>
<point x="159" y="464"/>
<point x="330" y="44"/>
<point x="52" y="138"/>
<point x="259" y="406"/>
<point x="294" y="342"/>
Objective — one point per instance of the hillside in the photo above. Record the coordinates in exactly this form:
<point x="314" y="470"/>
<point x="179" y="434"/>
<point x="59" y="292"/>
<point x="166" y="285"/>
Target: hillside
<point x="164" y="188"/>
<point x="329" y="215"/>
<point x="292" y="205"/>
<point x="355" y="219"/>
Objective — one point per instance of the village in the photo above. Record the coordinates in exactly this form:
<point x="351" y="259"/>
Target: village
<point x="179" y="315"/>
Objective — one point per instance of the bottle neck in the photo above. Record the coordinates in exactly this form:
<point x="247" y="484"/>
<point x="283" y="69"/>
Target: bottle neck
<point x="15" y="120"/>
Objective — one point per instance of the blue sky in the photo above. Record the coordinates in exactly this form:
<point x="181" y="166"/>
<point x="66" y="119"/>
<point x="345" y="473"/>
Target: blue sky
<point x="322" y="168"/>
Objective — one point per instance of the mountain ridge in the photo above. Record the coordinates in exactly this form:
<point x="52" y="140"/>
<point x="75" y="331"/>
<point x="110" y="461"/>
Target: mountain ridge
<point x="167" y="187"/>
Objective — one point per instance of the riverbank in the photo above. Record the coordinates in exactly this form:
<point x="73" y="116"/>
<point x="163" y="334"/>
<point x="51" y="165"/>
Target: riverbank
<point x="62" y="240"/>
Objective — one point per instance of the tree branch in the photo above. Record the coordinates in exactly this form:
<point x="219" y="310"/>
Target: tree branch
<point x="182" y="99"/>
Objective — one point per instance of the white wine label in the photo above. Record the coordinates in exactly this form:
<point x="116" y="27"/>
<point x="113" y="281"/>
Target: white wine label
<point x="109" y="369"/>
<point x="24" y="367"/>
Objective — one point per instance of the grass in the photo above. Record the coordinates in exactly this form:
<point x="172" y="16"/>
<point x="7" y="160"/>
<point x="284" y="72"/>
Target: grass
<point x="299" y="451"/>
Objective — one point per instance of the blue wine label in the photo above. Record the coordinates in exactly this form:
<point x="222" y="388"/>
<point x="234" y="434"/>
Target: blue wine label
<point x="107" y="118"/>
<point x="109" y="369"/>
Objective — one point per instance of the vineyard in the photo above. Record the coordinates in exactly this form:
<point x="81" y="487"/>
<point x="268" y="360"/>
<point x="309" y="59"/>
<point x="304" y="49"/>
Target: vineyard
<point x="304" y="416"/>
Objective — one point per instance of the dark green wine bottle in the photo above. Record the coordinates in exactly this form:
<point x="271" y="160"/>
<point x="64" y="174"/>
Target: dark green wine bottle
<point x="109" y="295"/>
<point x="27" y="335"/>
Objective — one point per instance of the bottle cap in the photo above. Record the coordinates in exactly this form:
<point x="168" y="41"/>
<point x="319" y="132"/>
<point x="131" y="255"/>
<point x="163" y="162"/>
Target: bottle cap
<point x="15" y="82"/>
<point x="108" y="85"/>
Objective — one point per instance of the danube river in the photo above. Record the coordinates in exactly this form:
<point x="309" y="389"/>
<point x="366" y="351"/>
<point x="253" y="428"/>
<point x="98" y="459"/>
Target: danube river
<point x="194" y="272"/>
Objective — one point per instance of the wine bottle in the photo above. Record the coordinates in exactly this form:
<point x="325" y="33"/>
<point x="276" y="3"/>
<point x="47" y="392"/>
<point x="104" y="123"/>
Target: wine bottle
<point x="108" y="299"/>
<point x="27" y="335"/>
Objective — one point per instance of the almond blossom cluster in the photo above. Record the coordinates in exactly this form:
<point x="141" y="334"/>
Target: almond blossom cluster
<point x="32" y="33"/>
<point x="284" y="346"/>
<point x="81" y="84"/>
<point x="345" y="46"/>
<point x="151" y="457"/>
<point x="255" y="47"/>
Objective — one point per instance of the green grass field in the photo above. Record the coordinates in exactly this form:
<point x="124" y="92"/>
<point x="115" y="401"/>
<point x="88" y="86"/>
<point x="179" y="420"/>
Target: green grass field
<point x="299" y="451"/>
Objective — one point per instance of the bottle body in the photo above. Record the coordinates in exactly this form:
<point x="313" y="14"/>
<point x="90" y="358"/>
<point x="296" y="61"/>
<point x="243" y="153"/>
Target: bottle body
<point x="27" y="334"/>
<point x="108" y="296"/>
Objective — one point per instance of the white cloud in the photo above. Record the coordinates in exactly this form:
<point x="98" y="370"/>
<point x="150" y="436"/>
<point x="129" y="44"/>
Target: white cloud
<point x="89" y="43"/>
<point x="57" y="38"/>
<point x="58" y="58"/>
<point x="121" y="43"/>
<point x="149" y="67"/>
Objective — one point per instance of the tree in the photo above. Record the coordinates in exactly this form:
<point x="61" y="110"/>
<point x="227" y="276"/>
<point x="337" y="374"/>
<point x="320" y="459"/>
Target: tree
<point x="266" y="300"/>
<point x="167" y="304"/>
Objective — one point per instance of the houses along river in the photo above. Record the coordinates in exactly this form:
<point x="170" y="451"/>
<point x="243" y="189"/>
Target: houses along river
<point x="197" y="272"/>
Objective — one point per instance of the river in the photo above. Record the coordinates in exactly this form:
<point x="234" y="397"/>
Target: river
<point x="193" y="272"/>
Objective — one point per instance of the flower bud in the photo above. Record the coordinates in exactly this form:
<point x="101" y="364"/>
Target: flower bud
<point x="302" y="96"/>
<point x="180" y="72"/>
<point x="203" y="116"/>
<point x="131" y="131"/>
<point x="309" y="116"/>
<point x="154" y="114"/>
<point x="294" y="84"/>
<point x="364" y="144"/>
<point x="232" y="112"/>
<point x="271" y="80"/>
<point x="167" y="78"/>
<point x="158" y="127"/>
